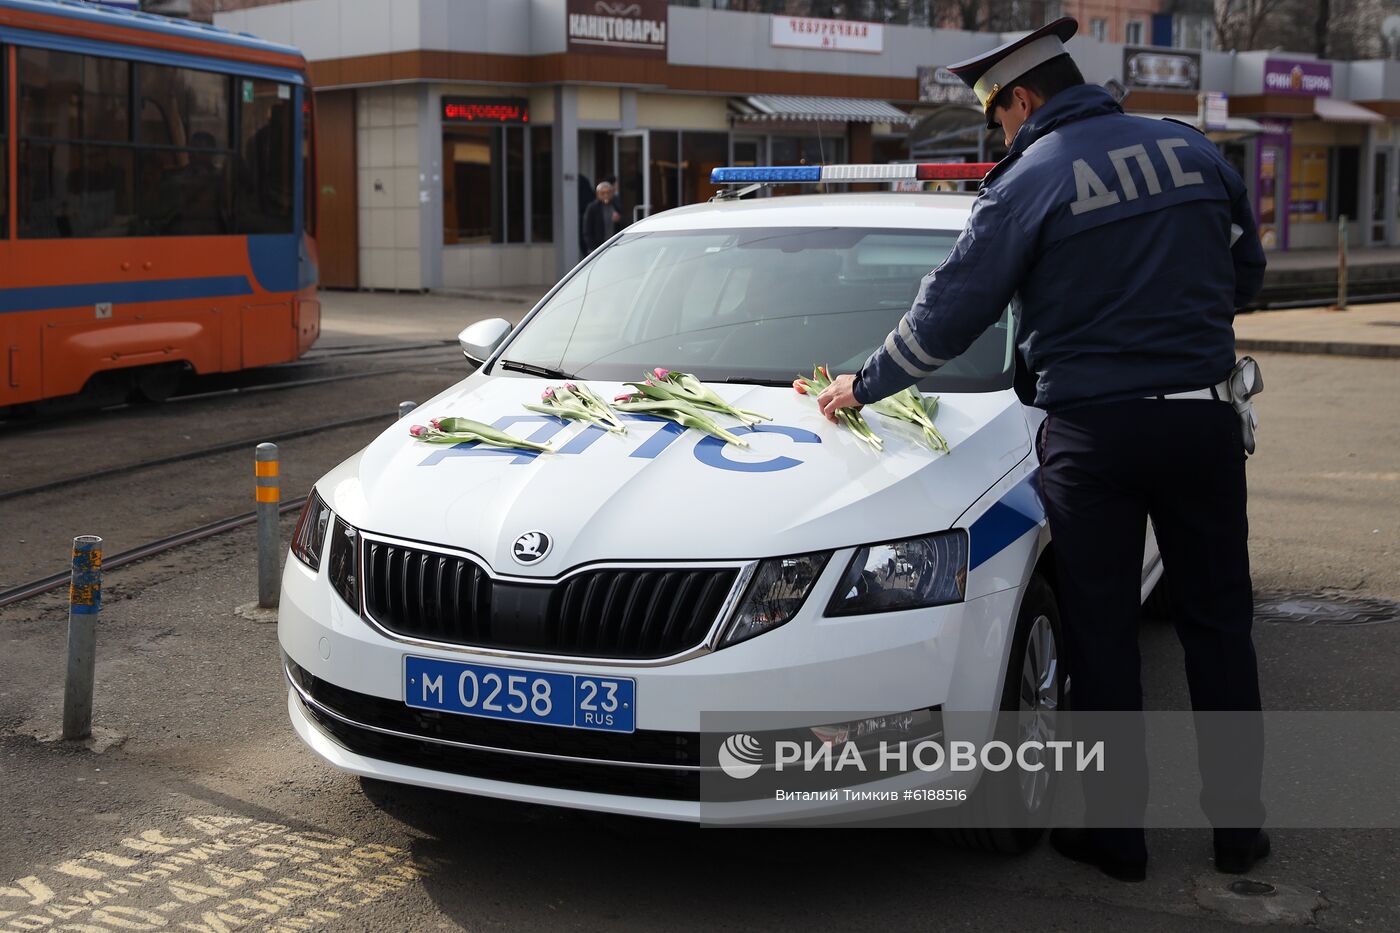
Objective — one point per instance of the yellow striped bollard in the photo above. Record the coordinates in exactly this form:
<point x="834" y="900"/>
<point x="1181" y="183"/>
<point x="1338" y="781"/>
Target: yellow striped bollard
<point x="269" y="495"/>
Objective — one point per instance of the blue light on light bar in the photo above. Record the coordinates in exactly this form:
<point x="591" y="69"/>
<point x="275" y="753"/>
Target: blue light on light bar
<point x="790" y="173"/>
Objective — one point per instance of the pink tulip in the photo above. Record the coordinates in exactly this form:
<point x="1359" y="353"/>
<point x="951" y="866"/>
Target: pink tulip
<point x="417" y="430"/>
<point x="436" y="424"/>
<point x="548" y="393"/>
<point x="660" y="373"/>
<point x="571" y="387"/>
<point x="622" y="398"/>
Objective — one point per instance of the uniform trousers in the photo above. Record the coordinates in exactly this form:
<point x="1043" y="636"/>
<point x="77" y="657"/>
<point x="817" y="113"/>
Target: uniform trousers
<point x="1105" y="468"/>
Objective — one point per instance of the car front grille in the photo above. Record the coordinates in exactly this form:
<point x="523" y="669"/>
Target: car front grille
<point x="629" y="613"/>
<point x="645" y="763"/>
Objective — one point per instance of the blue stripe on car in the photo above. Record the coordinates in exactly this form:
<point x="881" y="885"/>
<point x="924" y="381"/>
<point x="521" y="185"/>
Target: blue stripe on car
<point x="1015" y="513"/>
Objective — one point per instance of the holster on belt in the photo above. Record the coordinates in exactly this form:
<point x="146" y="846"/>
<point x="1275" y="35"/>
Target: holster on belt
<point x="1244" y="382"/>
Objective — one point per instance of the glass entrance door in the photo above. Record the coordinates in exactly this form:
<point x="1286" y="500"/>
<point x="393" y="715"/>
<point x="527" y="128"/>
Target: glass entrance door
<point x="632" y="156"/>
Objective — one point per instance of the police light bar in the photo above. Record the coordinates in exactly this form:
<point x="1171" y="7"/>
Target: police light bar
<point x="812" y="174"/>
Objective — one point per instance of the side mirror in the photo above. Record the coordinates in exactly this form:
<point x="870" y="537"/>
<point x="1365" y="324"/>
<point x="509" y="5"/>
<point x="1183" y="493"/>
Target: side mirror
<point x="481" y="339"/>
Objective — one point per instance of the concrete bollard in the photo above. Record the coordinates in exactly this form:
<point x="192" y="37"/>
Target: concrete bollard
<point x="84" y="603"/>
<point x="269" y="496"/>
<point x="405" y="408"/>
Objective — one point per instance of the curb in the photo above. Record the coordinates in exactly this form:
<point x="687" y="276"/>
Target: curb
<point x="1321" y="348"/>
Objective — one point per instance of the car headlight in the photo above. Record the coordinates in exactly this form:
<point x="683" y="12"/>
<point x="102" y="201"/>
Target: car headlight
<point x="774" y="595"/>
<point x="342" y="563"/>
<point x="912" y="574"/>
<point x="310" y="532"/>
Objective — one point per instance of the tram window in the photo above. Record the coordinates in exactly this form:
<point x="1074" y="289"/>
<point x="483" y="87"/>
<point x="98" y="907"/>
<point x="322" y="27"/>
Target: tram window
<point x="65" y="96"/>
<point x="75" y="190"/>
<point x="178" y="103"/>
<point x="263" y="181"/>
<point x="183" y="166"/>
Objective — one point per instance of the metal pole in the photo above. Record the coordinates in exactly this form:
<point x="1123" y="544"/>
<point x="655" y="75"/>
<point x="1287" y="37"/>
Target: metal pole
<point x="1342" y="262"/>
<point x="84" y="602"/>
<point x="269" y="495"/>
<point x="405" y="408"/>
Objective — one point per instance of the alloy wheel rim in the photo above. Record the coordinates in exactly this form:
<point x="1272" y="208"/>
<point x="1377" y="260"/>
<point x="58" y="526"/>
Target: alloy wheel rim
<point x="1039" y="704"/>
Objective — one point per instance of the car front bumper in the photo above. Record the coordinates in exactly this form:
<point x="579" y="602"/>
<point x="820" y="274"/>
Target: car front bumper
<point x="346" y="703"/>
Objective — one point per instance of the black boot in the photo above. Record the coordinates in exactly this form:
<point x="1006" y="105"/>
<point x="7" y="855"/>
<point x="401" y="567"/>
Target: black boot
<point x="1238" y="859"/>
<point x="1080" y="845"/>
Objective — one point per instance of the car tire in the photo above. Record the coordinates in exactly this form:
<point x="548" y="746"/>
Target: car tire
<point x="1035" y="684"/>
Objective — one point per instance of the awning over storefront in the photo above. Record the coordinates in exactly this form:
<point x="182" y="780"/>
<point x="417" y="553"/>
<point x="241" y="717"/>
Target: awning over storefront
<point x="1343" y="111"/>
<point x="779" y="109"/>
<point x="1235" y="127"/>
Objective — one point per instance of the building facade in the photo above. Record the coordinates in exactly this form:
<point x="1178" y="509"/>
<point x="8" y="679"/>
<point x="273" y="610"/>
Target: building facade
<point x="459" y="140"/>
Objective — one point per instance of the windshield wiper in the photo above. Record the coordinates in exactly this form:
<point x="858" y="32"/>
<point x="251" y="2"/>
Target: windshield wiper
<point x="543" y="372"/>
<point x="744" y="380"/>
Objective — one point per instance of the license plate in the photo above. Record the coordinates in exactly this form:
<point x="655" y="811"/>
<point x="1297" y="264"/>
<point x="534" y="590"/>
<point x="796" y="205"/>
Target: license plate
<point x="580" y="701"/>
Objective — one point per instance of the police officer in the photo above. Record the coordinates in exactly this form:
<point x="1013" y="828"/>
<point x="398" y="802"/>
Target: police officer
<point x="1128" y="243"/>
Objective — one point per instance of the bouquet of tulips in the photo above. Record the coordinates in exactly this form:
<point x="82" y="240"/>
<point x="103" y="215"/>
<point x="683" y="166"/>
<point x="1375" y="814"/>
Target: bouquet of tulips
<point x="669" y="385"/>
<point x="464" y="430"/>
<point x="850" y="417"/>
<point x="578" y="403"/>
<point x="910" y="406"/>
<point x="681" y="398"/>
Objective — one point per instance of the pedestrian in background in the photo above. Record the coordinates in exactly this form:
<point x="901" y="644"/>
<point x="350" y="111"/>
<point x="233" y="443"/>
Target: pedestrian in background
<point x="600" y="220"/>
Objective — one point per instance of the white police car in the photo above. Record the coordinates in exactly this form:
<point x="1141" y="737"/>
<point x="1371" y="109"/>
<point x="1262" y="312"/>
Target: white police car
<point x="551" y="627"/>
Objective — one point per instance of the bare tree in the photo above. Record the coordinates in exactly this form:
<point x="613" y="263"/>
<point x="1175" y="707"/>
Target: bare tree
<point x="1239" y="22"/>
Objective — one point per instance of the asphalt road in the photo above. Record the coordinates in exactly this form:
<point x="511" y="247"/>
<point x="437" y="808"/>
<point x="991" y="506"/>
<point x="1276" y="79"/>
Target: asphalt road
<point x="208" y="814"/>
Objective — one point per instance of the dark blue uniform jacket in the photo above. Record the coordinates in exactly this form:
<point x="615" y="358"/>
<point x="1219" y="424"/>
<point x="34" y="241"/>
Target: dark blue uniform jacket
<point x="1113" y="232"/>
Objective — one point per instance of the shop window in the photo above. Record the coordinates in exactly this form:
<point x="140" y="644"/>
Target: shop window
<point x="494" y="177"/>
<point x="1308" y="182"/>
<point x="264" y="182"/>
<point x="541" y="185"/>
<point x="701" y="152"/>
<point x="1132" y="33"/>
<point x="514" y="138"/>
<point x="665" y="171"/>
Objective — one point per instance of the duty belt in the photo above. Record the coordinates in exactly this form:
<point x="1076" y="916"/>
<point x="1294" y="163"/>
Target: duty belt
<point x="1243" y="383"/>
<point x="1220" y="392"/>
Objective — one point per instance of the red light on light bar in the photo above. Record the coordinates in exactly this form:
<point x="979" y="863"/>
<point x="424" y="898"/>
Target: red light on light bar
<point x="951" y="171"/>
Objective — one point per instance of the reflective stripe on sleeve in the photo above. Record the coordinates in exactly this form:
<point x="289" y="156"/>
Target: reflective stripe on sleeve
<point x="906" y="333"/>
<point x="896" y="354"/>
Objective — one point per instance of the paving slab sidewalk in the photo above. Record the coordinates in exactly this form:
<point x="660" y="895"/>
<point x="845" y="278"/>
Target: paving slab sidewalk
<point x="1362" y="330"/>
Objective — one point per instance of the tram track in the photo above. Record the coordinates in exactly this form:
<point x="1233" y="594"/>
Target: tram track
<point x="140" y="552"/>
<point x="244" y="443"/>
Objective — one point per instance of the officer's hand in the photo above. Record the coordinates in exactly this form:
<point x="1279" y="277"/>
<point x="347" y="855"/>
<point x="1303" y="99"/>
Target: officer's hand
<point x="840" y="394"/>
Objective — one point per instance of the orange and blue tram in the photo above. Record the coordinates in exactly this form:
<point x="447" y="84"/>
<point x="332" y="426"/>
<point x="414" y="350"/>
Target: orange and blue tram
<point x="157" y="194"/>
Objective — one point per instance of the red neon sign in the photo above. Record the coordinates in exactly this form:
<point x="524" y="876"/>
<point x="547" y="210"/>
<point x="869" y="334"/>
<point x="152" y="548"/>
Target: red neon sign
<point x="485" y="110"/>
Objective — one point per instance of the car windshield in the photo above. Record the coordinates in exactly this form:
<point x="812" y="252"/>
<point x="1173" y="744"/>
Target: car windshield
<point x="757" y="305"/>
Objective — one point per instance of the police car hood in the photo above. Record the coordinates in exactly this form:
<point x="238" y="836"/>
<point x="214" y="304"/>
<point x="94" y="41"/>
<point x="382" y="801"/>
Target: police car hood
<point x="658" y="493"/>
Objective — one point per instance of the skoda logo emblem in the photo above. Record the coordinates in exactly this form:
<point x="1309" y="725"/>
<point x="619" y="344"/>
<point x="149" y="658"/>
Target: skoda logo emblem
<point x="531" y="547"/>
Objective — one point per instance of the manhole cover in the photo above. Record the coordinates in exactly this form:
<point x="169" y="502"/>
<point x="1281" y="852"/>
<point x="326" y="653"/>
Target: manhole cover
<point x="1325" y="610"/>
<point x="1251" y="888"/>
